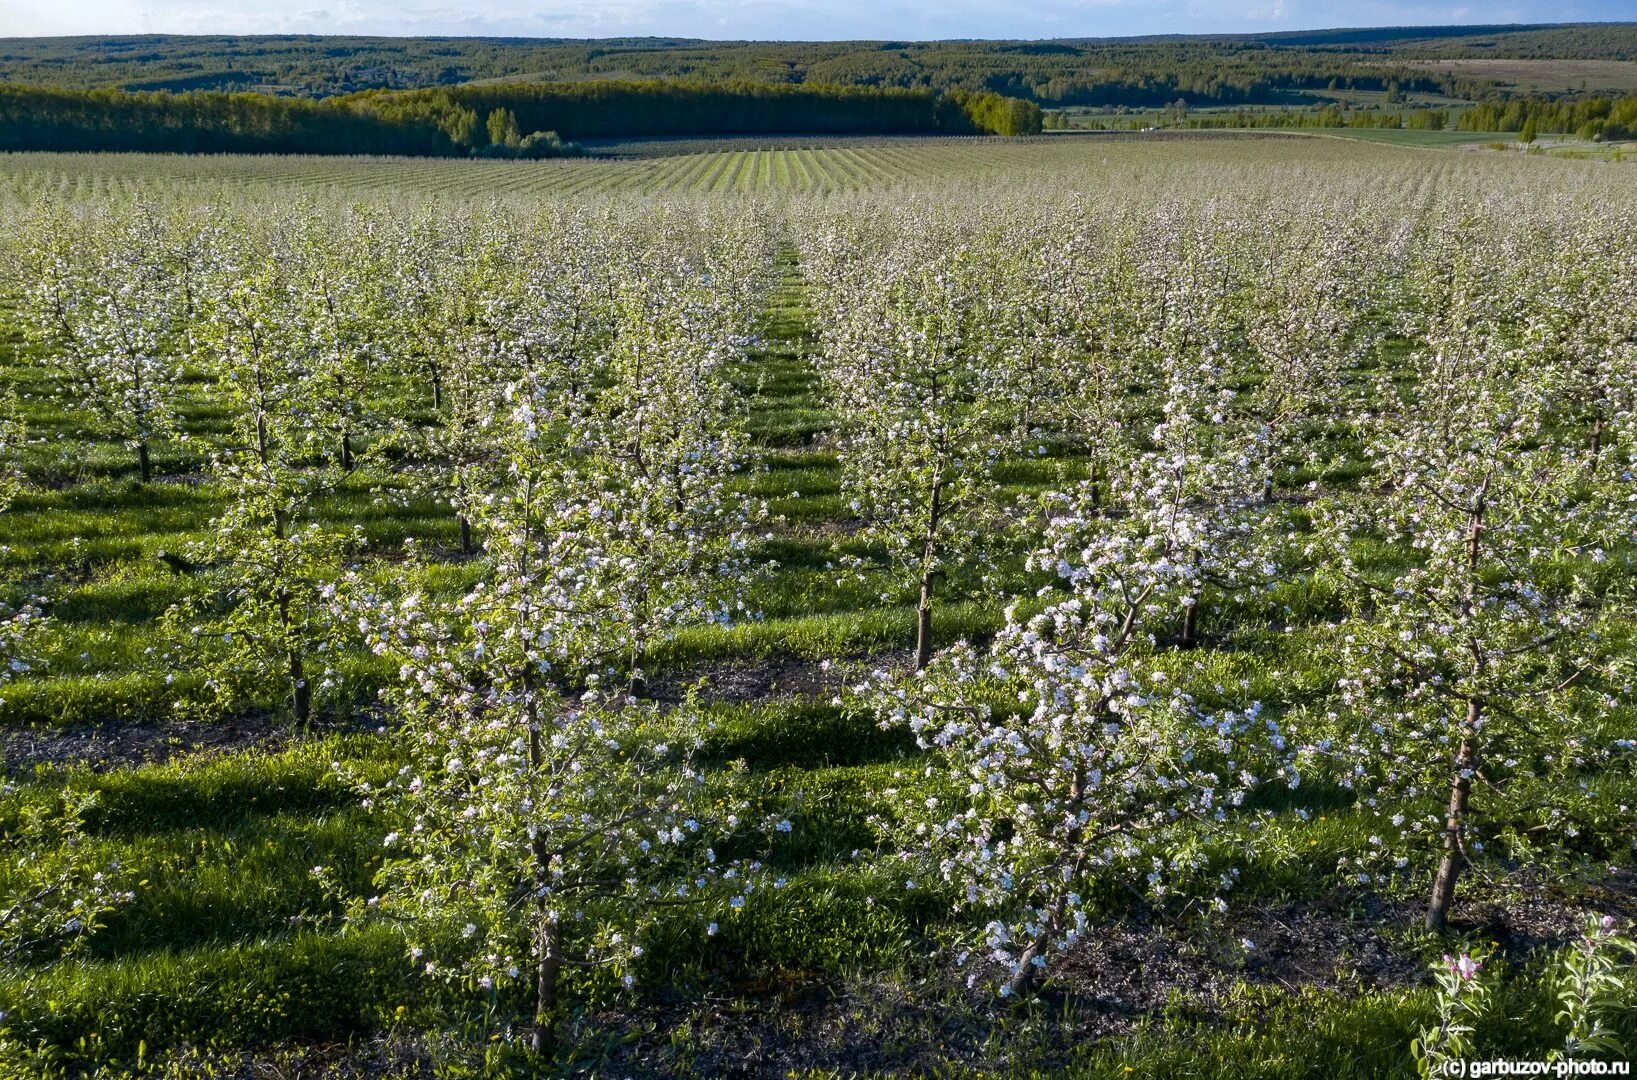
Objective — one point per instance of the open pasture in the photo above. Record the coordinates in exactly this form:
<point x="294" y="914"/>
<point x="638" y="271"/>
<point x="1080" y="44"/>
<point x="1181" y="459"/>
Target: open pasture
<point x="1608" y="76"/>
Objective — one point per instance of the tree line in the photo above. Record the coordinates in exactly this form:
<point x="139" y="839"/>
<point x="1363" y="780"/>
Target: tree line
<point x="1591" y="118"/>
<point x="514" y="119"/>
<point x="613" y="108"/>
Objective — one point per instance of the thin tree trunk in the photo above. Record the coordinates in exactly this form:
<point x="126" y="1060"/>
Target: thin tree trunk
<point x="1460" y="793"/>
<point x="1270" y="457"/>
<point x="638" y="686"/>
<point x="1028" y="973"/>
<point x="929" y="552"/>
<point x="1022" y="984"/>
<point x="459" y="500"/>
<point x="1190" y="614"/>
<point x="346" y="452"/>
<point x="142" y="461"/>
<point x="1460" y="788"/>
<point x="547" y="976"/>
<point x="548" y="963"/>
<point x="923" y="625"/>
<point x="301" y="694"/>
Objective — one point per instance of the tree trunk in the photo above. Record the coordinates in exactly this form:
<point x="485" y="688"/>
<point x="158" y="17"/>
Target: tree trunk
<point x="923" y="625"/>
<point x="638" y="686"/>
<point x="346" y="452"/>
<point x="548" y="963"/>
<point x="1270" y="460"/>
<point x="1028" y="973"/>
<point x="1190" y="614"/>
<point x="459" y="501"/>
<point x="1460" y="793"/>
<point x="1023" y="984"/>
<point x="929" y="552"/>
<point x="142" y="461"/>
<point x="1460" y="788"/>
<point x="548" y="970"/>
<point x="437" y="392"/>
<point x="301" y="695"/>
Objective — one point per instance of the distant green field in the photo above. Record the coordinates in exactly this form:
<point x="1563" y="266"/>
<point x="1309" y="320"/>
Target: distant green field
<point x="1611" y="76"/>
<point x="832" y="168"/>
<point x="1416" y="138"/>
<point x="724" y="168"/>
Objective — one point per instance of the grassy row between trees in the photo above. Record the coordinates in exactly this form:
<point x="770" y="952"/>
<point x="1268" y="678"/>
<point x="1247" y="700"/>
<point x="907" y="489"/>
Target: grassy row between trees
<point x="505" y="120"/>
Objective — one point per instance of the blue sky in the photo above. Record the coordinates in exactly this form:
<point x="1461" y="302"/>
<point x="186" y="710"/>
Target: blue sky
<point x="769" y="19"/>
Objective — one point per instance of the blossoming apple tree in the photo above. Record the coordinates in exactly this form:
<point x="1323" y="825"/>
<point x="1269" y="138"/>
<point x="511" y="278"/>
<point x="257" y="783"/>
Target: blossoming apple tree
<point x="270" y="553"/>
<point x="101" y="307"/>
<point x="1073" y="753"/>
<point x="909" y="365"/>
<point x="1475" y="669"/>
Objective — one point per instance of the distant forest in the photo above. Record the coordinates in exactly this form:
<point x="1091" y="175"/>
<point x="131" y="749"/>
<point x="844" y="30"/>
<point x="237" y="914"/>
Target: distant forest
<point x="1136" y="72"/>
<point x="522" y="97"/>
<point x="505" y="119"/>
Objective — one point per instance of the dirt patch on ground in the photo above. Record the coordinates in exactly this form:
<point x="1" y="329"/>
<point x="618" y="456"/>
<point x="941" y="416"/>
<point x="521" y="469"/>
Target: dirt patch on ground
<point x="1130" y="969"/>
<point x="1118" y="976"/>
<point x="774" y="677"/>
<point x="828" y="529"/>
<point x="741" y="682"/>
<point x="117" y="745"/>
<point x="1530" y="911"/>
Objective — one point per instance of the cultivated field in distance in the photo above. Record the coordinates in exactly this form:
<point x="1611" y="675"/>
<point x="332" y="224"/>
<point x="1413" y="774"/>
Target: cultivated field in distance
<point x="1616" y="76"/>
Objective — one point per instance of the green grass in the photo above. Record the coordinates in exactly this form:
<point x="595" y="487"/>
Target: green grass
<point x="727" y="168"/>
<point x="1405" y="137"/>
